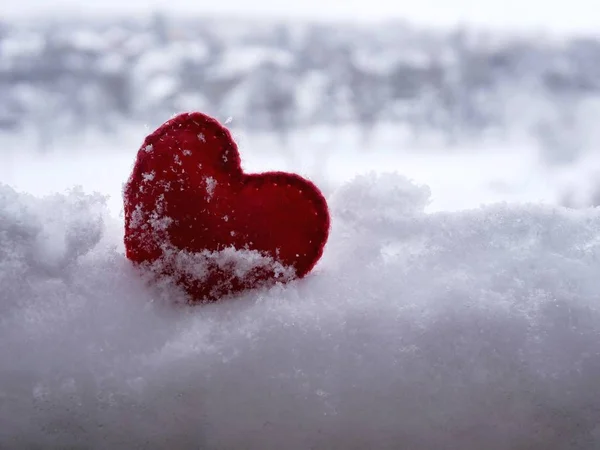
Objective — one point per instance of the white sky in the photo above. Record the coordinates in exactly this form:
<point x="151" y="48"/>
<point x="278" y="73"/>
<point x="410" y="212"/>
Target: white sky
<point x="552" y="15"/>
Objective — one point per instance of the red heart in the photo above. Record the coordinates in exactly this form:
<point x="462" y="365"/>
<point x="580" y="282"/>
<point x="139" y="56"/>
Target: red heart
<point x="192" y="214"/>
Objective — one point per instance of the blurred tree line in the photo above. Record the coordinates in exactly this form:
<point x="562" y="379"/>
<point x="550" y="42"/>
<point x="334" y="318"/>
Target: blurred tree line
<point x="62" y="77"/>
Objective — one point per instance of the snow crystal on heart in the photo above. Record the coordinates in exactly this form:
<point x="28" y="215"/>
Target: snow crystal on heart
<point x="240" y="265"/>
<point x="239" y="262"/>
<point x="157" y="220"/>
<point x="160" y="223"/>
<point x="149" y="176"/>
<point x="137" y="217"/>
<point x="211" y="184"/>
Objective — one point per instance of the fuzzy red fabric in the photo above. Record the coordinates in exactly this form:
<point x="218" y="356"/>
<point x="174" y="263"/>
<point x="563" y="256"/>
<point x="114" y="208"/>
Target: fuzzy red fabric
<point x="187" y="194"/>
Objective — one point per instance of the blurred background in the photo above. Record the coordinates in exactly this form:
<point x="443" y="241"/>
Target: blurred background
<point x="458" y="78"/>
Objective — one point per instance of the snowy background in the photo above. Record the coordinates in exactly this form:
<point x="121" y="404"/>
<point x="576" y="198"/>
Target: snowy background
<point x="457" y="302"/>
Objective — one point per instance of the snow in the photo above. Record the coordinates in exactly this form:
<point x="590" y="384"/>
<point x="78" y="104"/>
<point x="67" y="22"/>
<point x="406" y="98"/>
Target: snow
<point x="440" y="317"/>
<point x="211" y="184"/>
<point x="245" y="59"/>
<point x="20" y="46"/>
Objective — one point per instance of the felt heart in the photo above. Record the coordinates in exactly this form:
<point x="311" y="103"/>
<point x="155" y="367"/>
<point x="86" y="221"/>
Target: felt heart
<point x="193" y="215"/>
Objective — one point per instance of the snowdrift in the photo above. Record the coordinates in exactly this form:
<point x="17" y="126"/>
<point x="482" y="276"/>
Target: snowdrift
<point x="466" y="330"/>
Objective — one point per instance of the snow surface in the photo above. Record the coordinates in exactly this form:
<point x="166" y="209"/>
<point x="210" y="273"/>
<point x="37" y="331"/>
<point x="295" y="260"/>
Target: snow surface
<point x="430" y="322"/>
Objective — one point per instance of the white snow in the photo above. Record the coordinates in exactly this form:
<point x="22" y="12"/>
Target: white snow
<point x="211" y="184"/>
<point x="245" y="59"/>
<point x="430" y="323"/>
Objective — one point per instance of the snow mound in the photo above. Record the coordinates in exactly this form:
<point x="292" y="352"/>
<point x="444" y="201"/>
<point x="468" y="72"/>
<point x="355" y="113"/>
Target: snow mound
<point x="464" y="330"/>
